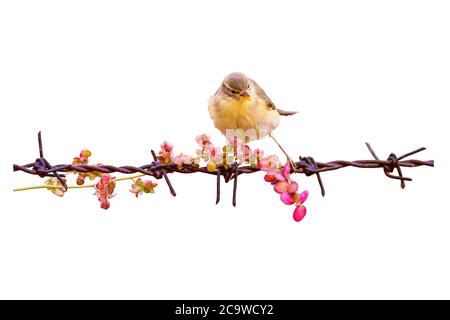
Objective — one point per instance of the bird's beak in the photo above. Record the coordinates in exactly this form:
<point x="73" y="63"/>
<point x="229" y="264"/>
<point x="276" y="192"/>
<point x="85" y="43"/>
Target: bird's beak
<point x="245" y="95"/>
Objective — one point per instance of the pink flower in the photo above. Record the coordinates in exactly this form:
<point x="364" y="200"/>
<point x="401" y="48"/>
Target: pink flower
<point x="139" y="187"/>
<point x="105" y="189"/>
<point x="208" y="151"/>
<point x="293" y="187"/>
<point x="83" y="159"/>
<point x="215" y="158"/>
<point x="286" y="171"/>
<point x="299" y="213"/>
<point x="166" y="147"/>
<point x="215" y="154"/>
<point x="104" y="203"/>
<point x="287" y="198"/>
<point x="281" y="186"/>
<point x="270" y="163"/>
<point x="255" y="157"/>
<point x="303" y="196"/>
<point x="270" y="177"/>
<point x="166" y="153"/>
<point x="55" y="182"/>
<point x="300" y="210"/>
<point x="182" y="159"/>
<point x="203" y="140"/>
<point x="280" y="177"/>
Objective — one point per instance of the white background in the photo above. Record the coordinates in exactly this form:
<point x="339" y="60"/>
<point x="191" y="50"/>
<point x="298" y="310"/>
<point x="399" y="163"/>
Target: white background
<point x="121" y="77"/>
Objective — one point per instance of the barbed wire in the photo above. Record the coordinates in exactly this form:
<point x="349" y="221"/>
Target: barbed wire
<point x="305" y="165"/>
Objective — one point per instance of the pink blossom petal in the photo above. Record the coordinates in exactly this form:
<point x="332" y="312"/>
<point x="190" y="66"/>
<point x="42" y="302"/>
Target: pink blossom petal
<point x="293" y="187"/>
<point x="269" y="177"/>
<point x="104" y="204"/>
<point x="279" y="177"/>
<point x="281" y="186"/>
<point x="299" y="213"/>
<point x="177" y="161"/>
<point x="286" y="170"/>
<point x="303" y="196"/>
<point x="202" y="139"/>
<point x="59" y="192"/>
<point x="148" y="184"/>
<point x="166" y="147"/>
<point x="269" y="163"/>
<point x="286" y="197"/>
<point x="264" y="164"/>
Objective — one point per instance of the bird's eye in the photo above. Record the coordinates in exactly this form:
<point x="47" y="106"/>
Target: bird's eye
<point x="248" y="86"/>
<point x="233" y="91"/>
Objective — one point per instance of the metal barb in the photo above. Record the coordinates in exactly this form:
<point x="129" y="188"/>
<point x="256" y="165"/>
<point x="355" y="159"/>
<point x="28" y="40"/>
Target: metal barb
<point x="236" y="174"/>
<point x="41" y="150"/>
<point x="311" y="168"/>
<point x="42" y="166"/>
<point x="218" y="175"/>
<point x="411" y="153"/>
<point x="393" y="163"/>
<point x="172" y="191"/>
<point x="371" y="151"/>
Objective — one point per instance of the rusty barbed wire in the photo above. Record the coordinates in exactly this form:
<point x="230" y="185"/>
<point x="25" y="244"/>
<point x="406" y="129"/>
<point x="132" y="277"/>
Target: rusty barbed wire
<point x="305" y="165"/>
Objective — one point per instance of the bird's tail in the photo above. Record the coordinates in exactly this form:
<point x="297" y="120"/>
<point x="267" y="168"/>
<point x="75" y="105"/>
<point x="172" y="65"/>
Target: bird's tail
<point x="286" y="113"/>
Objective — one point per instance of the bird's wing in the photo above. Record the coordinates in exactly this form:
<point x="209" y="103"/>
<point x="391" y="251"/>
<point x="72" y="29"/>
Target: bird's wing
<point x="269" y="104"/>
<point x="262" y="94"/>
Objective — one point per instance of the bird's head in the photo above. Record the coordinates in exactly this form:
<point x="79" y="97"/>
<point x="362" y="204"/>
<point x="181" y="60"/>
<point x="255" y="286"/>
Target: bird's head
<point x="237" y="85"/>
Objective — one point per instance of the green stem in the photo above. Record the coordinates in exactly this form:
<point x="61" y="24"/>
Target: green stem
<point x="73" y="187"/>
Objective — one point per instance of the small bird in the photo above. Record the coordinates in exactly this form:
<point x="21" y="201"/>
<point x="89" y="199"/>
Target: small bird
<point x="240" y="103"/>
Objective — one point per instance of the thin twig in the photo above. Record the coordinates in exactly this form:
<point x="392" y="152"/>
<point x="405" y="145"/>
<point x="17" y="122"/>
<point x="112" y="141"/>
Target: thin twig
<point x="43" y="186"/>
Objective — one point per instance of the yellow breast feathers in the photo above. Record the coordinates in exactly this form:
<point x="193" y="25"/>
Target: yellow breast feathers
<point x="245" y="114"/>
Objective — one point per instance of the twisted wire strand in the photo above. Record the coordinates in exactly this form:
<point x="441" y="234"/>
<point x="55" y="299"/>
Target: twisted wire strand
<point x="302" y="167"/>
